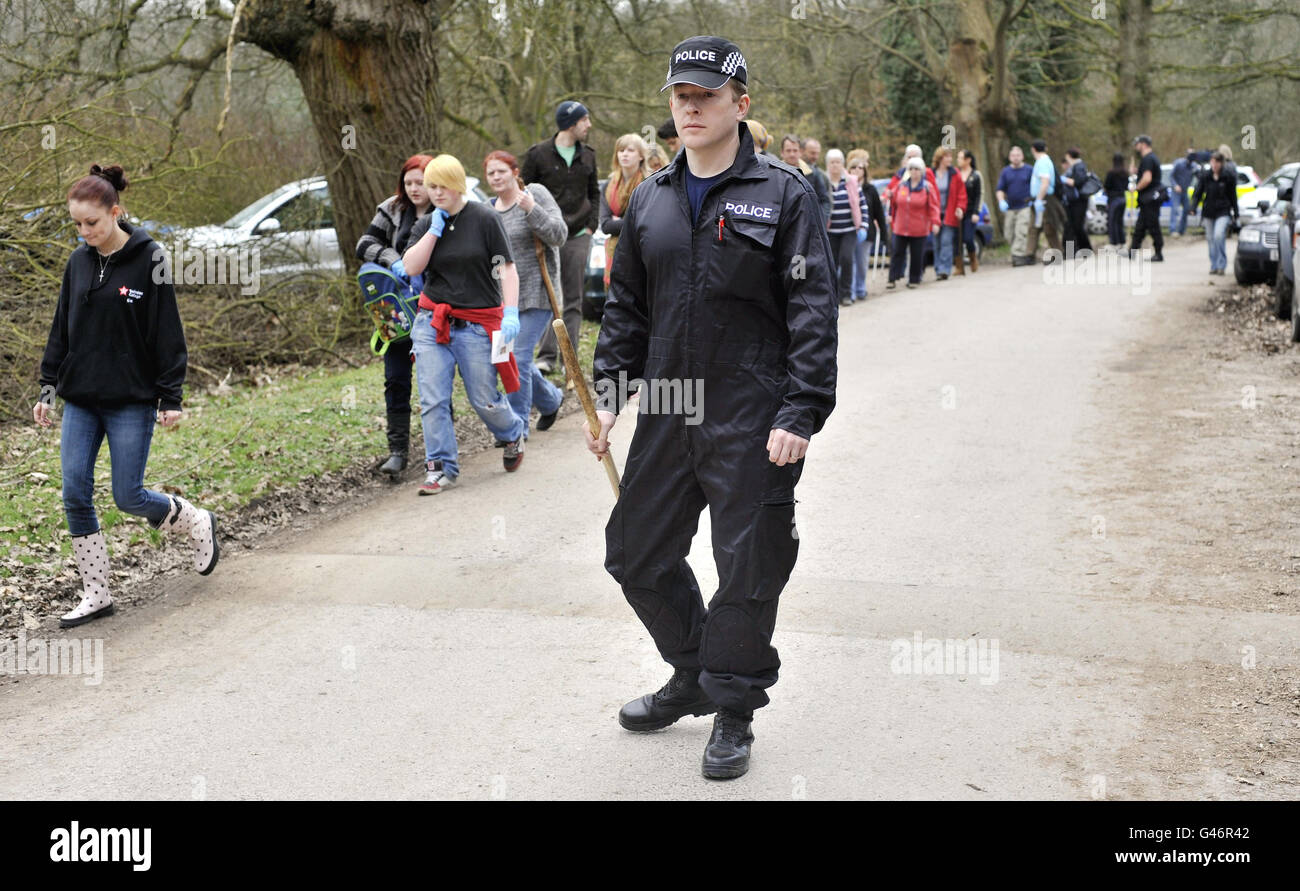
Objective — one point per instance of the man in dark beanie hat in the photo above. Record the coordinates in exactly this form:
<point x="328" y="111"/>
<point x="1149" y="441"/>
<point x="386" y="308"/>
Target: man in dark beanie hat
<point x="567" y="167"/>
<point x="722" y="287"/>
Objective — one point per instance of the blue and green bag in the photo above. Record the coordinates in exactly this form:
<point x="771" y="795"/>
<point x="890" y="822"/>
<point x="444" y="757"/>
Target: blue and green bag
<point x="391" y="303"/>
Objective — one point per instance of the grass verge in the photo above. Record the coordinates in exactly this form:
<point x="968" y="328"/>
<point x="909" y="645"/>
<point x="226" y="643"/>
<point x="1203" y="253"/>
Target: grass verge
<point x="254" y="441"/>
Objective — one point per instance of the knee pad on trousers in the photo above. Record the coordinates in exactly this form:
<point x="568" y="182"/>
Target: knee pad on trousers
<point x="658" y="616"/>
<point x="737" y="638"/>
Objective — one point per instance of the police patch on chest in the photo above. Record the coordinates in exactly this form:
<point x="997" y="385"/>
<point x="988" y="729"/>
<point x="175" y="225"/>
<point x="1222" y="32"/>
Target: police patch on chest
<point x="750" y="210"/>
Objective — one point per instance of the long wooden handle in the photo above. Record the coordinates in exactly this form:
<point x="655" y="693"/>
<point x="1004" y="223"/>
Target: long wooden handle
<point x="571" y="367"/>
<point x="584" y="395"/>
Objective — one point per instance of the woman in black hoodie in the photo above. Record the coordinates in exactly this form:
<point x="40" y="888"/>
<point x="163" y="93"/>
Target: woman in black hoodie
<point x="116" y="354"/>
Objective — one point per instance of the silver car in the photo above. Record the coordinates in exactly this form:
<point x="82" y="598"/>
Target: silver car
<point x="292" y="230"/>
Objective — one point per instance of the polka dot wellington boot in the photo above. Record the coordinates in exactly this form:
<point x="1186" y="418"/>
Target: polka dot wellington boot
<point x="91" y="554"/>
<point x="200" y="526"/>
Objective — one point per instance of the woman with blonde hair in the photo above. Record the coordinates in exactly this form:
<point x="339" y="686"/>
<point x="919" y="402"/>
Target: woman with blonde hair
<point x="471" y="291"/>
<point x="630" y="154"/>
<point x="657" y="159"/>
<point x="873" y="217"/>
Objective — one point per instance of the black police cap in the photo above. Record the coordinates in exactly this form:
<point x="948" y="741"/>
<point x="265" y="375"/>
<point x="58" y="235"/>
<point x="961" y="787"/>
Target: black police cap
<point x="707" y="62"/>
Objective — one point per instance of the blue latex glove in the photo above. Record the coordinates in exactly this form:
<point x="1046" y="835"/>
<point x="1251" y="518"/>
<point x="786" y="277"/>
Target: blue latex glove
<point x="399" y="270"/>
<point x="1040" y="205"/>
<point x="510" y="323"/>
<point x="438" y="222"/>
<point x="1003" y="206"/>
<point x="862" y="235"/>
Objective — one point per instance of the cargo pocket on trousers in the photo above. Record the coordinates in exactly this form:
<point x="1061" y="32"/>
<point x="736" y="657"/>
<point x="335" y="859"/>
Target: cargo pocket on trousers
<point x="774" y="545"/>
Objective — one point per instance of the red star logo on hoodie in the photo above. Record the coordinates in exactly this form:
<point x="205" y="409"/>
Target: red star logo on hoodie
<point x="122" y="290"/>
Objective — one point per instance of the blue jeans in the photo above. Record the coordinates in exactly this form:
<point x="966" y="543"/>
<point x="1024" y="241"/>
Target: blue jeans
<point x="1216" y="235"/>
<point x="129" y="429"/>
<point x="861" y="254"/>
<point x="1178" y="205"/>
<point x="470" y="350"/>
<point x="534" y="389"/>
<point x="945" y="246"/>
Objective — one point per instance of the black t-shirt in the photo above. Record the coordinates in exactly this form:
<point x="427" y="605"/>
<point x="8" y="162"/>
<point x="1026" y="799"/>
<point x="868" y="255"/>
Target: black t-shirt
<point x="461" y="266"/>
<point x="1151" y="163"/>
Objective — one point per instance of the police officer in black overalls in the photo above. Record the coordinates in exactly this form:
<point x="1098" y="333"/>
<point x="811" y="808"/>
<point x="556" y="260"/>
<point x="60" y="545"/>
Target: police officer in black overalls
<point x="722" y="287"/>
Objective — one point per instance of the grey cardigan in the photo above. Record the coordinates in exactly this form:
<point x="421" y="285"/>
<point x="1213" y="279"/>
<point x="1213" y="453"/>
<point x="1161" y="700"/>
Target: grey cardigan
<point x="546" y="222"/>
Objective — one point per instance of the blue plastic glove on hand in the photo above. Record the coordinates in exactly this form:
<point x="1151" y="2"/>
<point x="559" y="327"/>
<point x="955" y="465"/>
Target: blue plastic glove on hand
<point x="862" y="235"/>
<point x="399" y="270"/>
<point x="1040" y="205"/>
<point x="1003" y="206"/>
<point x="438" y="222"/>
<point x="510" y="323"/>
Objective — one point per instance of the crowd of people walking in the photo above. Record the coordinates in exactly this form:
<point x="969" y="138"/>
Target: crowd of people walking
<point x="481" y="272"/>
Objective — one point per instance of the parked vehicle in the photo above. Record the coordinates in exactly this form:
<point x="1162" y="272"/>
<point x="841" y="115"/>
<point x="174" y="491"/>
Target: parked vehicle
<point x="1258" y="246"/>
<point x="292" y="228"/>
<point x="1284" y="278"/>
<point x="1097" y="206"/>
<point x="1266" y="192"/>
<point x="1295" y="309"/>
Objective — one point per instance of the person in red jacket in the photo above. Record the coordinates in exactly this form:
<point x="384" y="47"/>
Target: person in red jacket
<point x="914" y="214"/>
<point x="912" y="151"/>
<point x="952" y="208"/>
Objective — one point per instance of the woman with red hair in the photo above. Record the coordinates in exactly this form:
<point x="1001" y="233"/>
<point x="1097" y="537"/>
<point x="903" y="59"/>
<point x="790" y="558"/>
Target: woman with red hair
<point x="383" y="243"/>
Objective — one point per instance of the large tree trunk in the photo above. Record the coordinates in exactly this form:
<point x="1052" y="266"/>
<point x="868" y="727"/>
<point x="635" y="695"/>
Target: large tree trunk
<point x="968" y="74"/>
<point x="369" y="73"/>
<point x="1131" y="110"/>
<point x="978" y="75"/>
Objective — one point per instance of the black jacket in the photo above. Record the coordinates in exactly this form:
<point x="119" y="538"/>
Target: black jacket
<point x="748" y="306"/>
<point x="120" y="340"/>
<point x="875" y="212"/>
<point x="574" y="187"/>
<point x="822" y="188"/>
<point x="1219" y="195"/>
<point x="974" y="194"/>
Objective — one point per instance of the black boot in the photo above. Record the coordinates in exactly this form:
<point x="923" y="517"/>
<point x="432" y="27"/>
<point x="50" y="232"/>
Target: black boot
<point x="680" y="697"/>
<point x="727" y="754"/>
<point x="399" y="441"/>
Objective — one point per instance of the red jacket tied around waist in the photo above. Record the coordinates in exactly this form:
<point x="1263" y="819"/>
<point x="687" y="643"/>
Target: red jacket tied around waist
<point x="489" y="318"/>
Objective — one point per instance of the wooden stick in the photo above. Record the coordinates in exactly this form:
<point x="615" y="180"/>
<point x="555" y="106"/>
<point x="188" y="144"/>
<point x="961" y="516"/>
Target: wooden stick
<point x="571" y="367"/>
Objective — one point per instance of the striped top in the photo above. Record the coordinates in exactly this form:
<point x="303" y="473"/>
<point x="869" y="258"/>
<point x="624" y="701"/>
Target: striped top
<point x="841" y="213"/>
